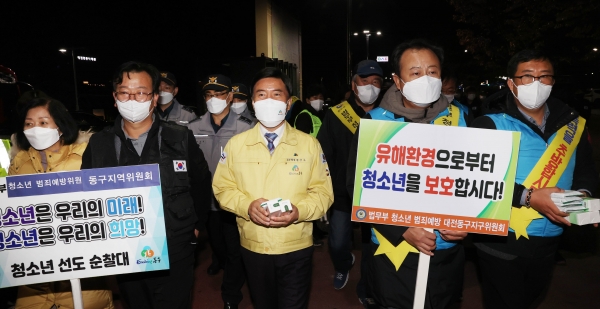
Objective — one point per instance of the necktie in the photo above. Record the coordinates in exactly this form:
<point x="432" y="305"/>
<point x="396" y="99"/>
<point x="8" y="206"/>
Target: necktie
<point x="270" y="138"/>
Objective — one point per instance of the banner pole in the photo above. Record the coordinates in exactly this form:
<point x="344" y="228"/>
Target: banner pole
<point x="422" y="274"/>
<point x="77" y="295"/>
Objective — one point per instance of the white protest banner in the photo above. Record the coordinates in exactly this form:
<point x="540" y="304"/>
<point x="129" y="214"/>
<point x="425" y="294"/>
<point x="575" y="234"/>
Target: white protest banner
<point x="433" y="176"/>
<point x="79" y="224"/>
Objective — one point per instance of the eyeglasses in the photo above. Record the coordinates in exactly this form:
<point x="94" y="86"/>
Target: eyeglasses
<point x="138" y="96"/>
<point x="529" y="79"/>
<point x="208" y="96"/>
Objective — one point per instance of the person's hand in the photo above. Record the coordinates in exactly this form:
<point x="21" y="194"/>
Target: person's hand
<point x="421" y="239"/>
<point x="258" y="214"/>
<point x="286" y="218"/>
<point x="452" y="235"/>
<point x="541" y="201"/>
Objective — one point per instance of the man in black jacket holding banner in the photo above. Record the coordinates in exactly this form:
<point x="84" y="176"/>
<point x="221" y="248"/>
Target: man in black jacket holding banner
<point x="139" y="137"/>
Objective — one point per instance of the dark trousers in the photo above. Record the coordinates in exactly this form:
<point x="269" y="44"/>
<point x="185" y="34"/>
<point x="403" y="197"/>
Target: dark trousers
<point x="362" y="289"/>
<point x="214" y="229"/>
<point x="516" y="283"/>
<point x="340" y="240"/>
<point x="340" y="247"/>
<point x="279" y="281"/>
<point x="234" y="276"/>
<point x="393" y="288"/>
<point x="169" y="289"/>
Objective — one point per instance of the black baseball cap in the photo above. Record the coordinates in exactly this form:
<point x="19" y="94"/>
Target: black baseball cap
<point x="217" y="82"/>
<point x="168" y="78"/>
<point x="368" y="68"/>
<point x="240" y="91"/>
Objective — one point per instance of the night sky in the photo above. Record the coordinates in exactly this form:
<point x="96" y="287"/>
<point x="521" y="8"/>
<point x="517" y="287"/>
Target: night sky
<point x="195" y="38"/>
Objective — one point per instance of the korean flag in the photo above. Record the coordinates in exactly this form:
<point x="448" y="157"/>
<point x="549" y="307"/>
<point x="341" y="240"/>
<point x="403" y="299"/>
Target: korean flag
<point x="179" y="166"/>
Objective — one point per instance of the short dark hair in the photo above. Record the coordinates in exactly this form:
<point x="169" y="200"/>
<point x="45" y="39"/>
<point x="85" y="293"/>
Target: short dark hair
<point x="313" y="89"/>
<point x="275" y="73"/>
<point x="137" y="67"/>
<point x="525" y="56"/>
<point x="64" y="121"/>
<point x="417" y="44"/>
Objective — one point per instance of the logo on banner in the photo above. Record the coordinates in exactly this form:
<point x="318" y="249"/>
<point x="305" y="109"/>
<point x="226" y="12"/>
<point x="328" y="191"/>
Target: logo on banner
<point x="148" y="256"/>
<point x="361" y="214"/>
<point x="147" y="252"/>
<point x="179" y="166"/>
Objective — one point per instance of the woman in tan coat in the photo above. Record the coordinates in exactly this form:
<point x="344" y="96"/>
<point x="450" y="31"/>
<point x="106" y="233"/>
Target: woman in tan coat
<point x="49" y="143"/>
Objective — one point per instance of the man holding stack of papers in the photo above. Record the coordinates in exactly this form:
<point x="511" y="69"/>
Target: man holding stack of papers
<point x="582" y="210"/>
<point x="554" y="155"/>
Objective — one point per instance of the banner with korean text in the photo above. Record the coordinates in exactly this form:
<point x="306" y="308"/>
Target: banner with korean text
<point x="432" y="176"/>
<point x="79" y="224"/>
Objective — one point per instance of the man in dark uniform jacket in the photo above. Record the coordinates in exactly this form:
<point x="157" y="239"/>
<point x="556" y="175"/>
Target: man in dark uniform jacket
<point x="169" y="109"/>
<point x="212" y="132"/>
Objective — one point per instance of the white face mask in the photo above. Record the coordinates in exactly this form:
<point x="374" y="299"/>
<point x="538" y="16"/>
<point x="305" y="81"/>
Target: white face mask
<point x="134" y="111"/>
<point x="449" y="97"/>
<point x="238" y="107"/>
<point x="367" y="94"/>
<point x="471" y="96"/>
<point x="317" y="104"/>
<point x="533" y="95"/>
<point x="41" y="138"/>
<point x="270" y="112"/>
<point x="165" y="98"/>
<point x="216" y="105"/>
<point x="423" y="91"/>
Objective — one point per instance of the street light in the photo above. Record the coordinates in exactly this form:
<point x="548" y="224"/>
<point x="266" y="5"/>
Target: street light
<point x="595" y="49"/>
<point x="62" y="50"/>
<point x="367" y="34"/>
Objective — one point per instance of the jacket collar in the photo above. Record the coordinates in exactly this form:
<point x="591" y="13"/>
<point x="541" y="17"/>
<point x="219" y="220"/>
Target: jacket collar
<point x="230" y="122"/>
<point x="119" y="131"/>
<point x="53" y="157"/>
<point x="560" y="113"/>
<point x="176" y="111"/>
<point x="289" y="136"/>
<point x="357" y="109"/>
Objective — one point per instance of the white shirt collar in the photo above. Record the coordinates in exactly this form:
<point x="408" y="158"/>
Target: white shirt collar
<point x="279" y="133"/>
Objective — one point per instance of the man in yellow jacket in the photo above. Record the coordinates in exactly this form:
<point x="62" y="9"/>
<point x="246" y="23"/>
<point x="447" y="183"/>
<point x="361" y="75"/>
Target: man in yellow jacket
<point x="274" y="160"/>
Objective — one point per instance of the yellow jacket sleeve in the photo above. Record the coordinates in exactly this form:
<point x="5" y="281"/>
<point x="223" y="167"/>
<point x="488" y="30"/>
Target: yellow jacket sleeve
<point x="226" y="189"/>
<point x="320" y="190"/>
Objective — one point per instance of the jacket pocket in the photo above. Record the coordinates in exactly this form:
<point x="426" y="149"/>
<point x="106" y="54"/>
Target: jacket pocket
<point x="180" y="214"/>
